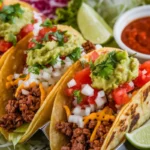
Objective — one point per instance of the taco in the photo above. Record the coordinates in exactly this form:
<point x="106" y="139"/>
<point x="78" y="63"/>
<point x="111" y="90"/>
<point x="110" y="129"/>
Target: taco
<point x="28" y="78"/>
<point x="17" y="19"/>
<point x="103" y="96"/>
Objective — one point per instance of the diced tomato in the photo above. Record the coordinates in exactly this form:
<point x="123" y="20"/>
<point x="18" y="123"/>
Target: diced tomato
<point x="142" y="79"/>
<point x="145" y="66"/>
<point x="4" y="45"/>
<point x="120" y="96"/>
<point x="91" y="100"/>
<point x="94" y="56"/>
<point x="45" y="30"/>
<point x="31" y="45"/>
<point x="69" y="92"/>
<point x="25" y="30"/>
<point x="83" y="76"/>
<point x="127" y="87"/>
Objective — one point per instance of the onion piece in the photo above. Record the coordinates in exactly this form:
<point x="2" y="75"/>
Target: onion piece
<point x="98" y="46"/>
<point x="87" y="111"/>
<point x="100" y="102"/>
<point x="16" y="75"/>
<point x="46" y="76"/>
<point x="131" y="84"/>
<point x="87" y="90"/>
<point x="71" y="83"/>
<point x="101" y="93"/>
<point x="25" y="92"/>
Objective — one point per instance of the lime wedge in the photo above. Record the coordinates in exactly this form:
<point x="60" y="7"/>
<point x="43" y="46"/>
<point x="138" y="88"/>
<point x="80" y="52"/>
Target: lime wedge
<point x="140" y="138"/>
<point x="92" y="25"/>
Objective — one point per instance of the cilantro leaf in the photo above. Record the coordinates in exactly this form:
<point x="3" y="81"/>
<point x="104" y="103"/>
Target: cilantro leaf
<point x="8" y="13"/>
<point x="35" y="68"/>
<point x="46" y="37"/>
<point x="53" y="60"/>
<point x="22" y="76"/>
<point x="37" y="45"/>
<point x="76" y="54"/>
<point x="77" y="94"/>
<point x="47" y="23"/>
<point x="105" y="68"/>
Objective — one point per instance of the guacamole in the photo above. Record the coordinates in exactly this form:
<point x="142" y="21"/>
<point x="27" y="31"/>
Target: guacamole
<point x="51" y="49"/>
<point x="113" y="69"/>
<point x="18" y="23"/>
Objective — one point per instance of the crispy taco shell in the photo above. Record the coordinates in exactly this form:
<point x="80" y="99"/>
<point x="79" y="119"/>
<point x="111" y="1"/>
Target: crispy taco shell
<point x="14" y="63"/>
<point x="10" y="2"/>
<point x="132" y="115"/>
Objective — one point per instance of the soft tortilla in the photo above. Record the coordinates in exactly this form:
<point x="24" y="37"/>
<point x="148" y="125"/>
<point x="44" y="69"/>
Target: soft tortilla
<point x="131" y="116"/>
<point x="14" y="64"/>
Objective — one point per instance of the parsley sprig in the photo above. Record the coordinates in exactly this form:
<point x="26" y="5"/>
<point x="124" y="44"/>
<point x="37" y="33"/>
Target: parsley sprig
<point x="59" y="35"/>
<point x="105" y="69"/>
<point x="47" y="23"/>
<point x="8" y="13"/>
<point x="77" y="94"/>
<point x="76" y="54"/>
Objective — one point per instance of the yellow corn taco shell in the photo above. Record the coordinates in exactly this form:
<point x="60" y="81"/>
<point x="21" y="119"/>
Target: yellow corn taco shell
<point x="10" y="2"/>
<point x="14" y="64"/>
<point x="132" y="115"/>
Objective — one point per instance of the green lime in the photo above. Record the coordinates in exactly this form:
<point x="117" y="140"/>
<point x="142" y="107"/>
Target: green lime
<point x="140" y="138"/>
<point x="92" y="25"/>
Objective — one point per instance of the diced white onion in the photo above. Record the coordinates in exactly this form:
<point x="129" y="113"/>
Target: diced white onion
<point x="101" y="93"/>
<point x="144" y="71"/>
<point x="77" y="110"/>
<point x="98" y="46"/>
<point x="26" y="83"/>
<point x="71" y="83"/>
<point x="80" y="123"/>
<point x="56" y="73"/>
<point x="33" y="76"/>
<point x="25" y="71"/>
<point x="87" y="90"/>
<point x="16" y="76"/>
<point x="83" y="53"/>
<point x="20" y="82"/>
<point x="75" y="102"/>
<point x="76" y="119"/>
<point x="67" y="59"/>
<point x="33" y="80"/>
<point x="67" y="64"/>
<point x="87" y="111"/>
<point x="57" y="65"/>
<point x="131" y="84"/>
<point x="100" y="102"/>
<point x="46" y="76"/>
<point x="25" y="92"/>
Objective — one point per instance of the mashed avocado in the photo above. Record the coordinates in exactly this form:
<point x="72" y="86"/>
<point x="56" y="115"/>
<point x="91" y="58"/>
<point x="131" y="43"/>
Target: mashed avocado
<point x="113" y="69"/>
<point x="51" y="49"/>
<point x="18" y="23"/>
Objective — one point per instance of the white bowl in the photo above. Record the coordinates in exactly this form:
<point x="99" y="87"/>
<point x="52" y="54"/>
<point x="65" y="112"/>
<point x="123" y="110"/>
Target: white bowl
<point x="123" y="21"/>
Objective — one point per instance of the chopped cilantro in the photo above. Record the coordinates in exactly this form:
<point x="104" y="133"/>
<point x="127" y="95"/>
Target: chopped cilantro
<point x="46" y="36"/>
<point x="12" y="38"/>
<point x="105" y="68"/>
<point x="35" y="68"/>
<point x="77" y="94"/>
<point x="76" y="54"/>
<point x="37" y="45"/>
<point x="8" y="13"/>
<point x="53" y="60"/>
<point x="60" y="37"/>
<point x="47" y="23"/>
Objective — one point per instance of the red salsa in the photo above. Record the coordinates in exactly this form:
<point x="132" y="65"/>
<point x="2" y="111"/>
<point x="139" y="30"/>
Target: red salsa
<point x="136" y="35"/>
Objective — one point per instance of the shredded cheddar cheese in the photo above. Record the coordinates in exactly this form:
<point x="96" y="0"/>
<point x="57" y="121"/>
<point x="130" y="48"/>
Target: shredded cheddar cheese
<point x="68" y="112"/>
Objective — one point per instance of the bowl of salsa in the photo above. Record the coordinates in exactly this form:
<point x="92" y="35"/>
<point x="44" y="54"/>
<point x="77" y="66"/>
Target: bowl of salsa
<point x="132" y="32"/>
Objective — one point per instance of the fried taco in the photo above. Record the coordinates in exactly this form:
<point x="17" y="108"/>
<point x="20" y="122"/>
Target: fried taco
<point x="28" y="79"/>
<point x="17" y="20"/>
<point x="103" y="96"/>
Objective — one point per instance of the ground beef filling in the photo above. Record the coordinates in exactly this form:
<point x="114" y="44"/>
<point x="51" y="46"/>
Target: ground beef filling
<point x="80" y="137"/>
<point x="21" y="110"/>
<point x="88" y="46"/>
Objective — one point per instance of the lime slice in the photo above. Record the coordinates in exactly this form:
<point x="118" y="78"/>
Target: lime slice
<point x="140" y="138"/>
<point x="92" y="26"/>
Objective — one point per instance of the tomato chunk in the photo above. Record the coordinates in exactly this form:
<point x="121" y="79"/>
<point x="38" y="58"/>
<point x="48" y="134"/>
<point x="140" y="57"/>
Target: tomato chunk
<point x="25" y="30"/>
<point x="83" y="76"/>
<point x="94" y="56"/>
<point x="120" y="96"/>
<point x="4" y="45"/>
<point x="128" y="87"/>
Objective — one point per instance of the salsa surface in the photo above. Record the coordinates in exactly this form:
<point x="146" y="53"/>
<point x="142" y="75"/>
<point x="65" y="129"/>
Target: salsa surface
<point x="136" y="35"/>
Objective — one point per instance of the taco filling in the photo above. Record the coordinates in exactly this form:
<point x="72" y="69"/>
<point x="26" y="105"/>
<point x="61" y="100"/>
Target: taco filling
<point x="97" y="94"/>
<point x="50" y="54"/>
<point x="16" y="21"/>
